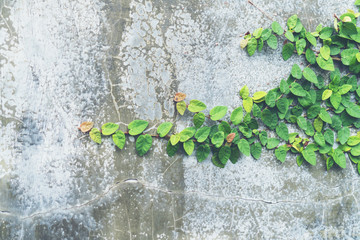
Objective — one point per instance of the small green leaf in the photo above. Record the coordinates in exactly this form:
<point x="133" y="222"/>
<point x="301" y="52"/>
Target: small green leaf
<point x="353" y="110"/>
<point x="202" y="152"/>
<point x="189" y="147"/>
<point x="235" y="154"/>
<point x="137" y="126"/>
<point x="325" y="116"/>
<point x="355" y="151"/>
<point x="171" y="150"/>
<point x="319" y="139"/>
<point x="215" y="160"/>
<point x="343" y="135"/>
<point x="335" y="100"/>
<point x="300" y="46"/>
<point x="272" y="143"/>
<point x="266" y="34"/>
<point x="164" y="129"/>
<point x="255" y="150"/>
<point x="218" y="139"/>
<point x="348" y="56"/>
<point x="291" y="22"/>
<point x="353" y="140"/>
<point x="318" y="124"/>
<point x="344" y="89"/>
<point x="329" y="163"/>
<point x="237" y="116"/>
<point x="224" y="154"/>
<point x="174" y="139"/>
<point x="281" y="152"/>
<point x="329" y="136"/>
<point x="313" y="111"/>
<point x="272" y="42"/>
<point x="283" y="105"/>
<point x="310" y="75"/>
<point x="309" y="156"/>
<point x="310" y="129"/>
<point x="187" y="133"/>
<point x="119" y="139"/>
<point x="339" y="158"/>
<point x="143" y="144"/>
<point x="301" y="122"/>
<point x="181" y="107"/>
<point x="218" y="112"/>
<point x="269" y="118"/>
<point x="275" y="26"/>
<point x="310" y="56"/>
<point x="244" y="147"/>
<point x="311" y="39"/>
<point x="225" y="127"/>
<point x="196" y="106"/>
<point x="284" y="87"/>
<point x="95" y="135"/>
<point x="248" y="104"/>
<point x="297" y="90"/>
<point x="259" y="96"/>
<point x="290" y="36"/>
<point x="244" y="92"/>
<point x="299" y="160"/>
<point x="326" y="94"/>
<point x="202" y="134"/>
<point x="326" y="32"/>
<point x="270" y="99"/>
<point x="325" y="52"/>
<point x="199" y="119"/>
<point x="327" y="65"/>
<point x="296" y="71"/>
<point x="257" y="33"/>
<point x="282" y="131"/>
<point x="251" y="46"/>
<point x="287" y="51"/>
<point x="109" y="128"/>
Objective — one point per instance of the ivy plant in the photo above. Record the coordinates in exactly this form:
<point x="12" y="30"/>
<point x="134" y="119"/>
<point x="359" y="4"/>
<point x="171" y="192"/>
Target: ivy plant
<point x="324" y="110"/>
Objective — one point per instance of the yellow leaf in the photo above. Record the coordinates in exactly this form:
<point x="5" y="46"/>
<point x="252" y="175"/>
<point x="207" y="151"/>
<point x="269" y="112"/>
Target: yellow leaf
<point x="326" y="94"/>
<point x="259" y="96"/>
<point x="243" y="43"/>
<point x="248" y="104"/>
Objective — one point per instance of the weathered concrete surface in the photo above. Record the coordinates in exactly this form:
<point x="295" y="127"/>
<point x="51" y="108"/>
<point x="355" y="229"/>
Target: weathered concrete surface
<point x="64" y="62"/>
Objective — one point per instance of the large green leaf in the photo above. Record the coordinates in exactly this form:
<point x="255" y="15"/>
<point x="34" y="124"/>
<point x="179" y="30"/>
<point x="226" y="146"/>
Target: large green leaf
<point x="202" y="134"/>
<point x="174" y="139"/>
<point x="310" y="56"/>
<point x="353" y="110"/>
<point x="218" y="112"/>
<point x="187" y="133"/>
<point x="181" y="107"/>
<point x="272" y="143"/>
<point x="287" y="51"/>
<point x="329" y="136"/>
<point x="325" y="52"/>
<point x="119" y="139"/>
<point x="311" y="39"/>
<point x="325" y="64"/>
<point x="282" y="131"/>
<point x="137" y="126"/>
<point x="300" y="46"/>
<point x="164" y="129"/>
<point x="310" y="156"/>
<point x="202" y="152"/>
<point x="196" y="106"/>
<point x="325" y="116"/>
<point x="143" y="144"/>
<point x="248" y="104"/>
<point x="335" y="100"/>
<point x="283" y="105"/>
<point x="255" y="150"/>
<point x="277" y="28"/>
<point x="301" y="122"/>
<point x="95" y="135"/>
<point x="224" y="154"/>
<point x="269" y="118"/>
<point x="171" y="149"/>
<point x="280" y="153"/>
<point x="251" y="46"/>
<point x="199" y="119"/>
<point x="297" y="90"/>
<point x="189" y="146"/>
<point x="272" y="41"/>
<point x="319" y="139"/>
<point x="109" y="128"/>
<point x="339" y="158"/>
<point x="296" y="71"/>
<point x="310" y="75"/>
<point x="348" y="56"/>
<point x="237" y="116"/>
<point x="244" y="92"/>
<point x="218" y="139"/>
<point x="343" y="135"/>
<point x="244" y="147"/>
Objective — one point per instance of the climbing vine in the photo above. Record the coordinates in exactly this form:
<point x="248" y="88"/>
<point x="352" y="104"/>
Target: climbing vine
<point x="325" y="111"/>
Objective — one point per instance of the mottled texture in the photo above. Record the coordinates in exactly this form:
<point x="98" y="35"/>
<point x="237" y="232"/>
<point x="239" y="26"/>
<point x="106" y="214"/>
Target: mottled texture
<point x="63" y="62"/>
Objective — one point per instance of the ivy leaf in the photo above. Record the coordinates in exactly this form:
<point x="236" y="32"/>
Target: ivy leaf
<point x="237" y="116"/>
<point x="344" y="135"/>
<point x="187" y="133"/>
<point x="326" y="94"/>
<point x="277" y="28"/>
<point x="309" y="156"/>
<point x="329" y="163"/>
<point x="257" y="33"/>
<point x="202" y="134"/>
<point x="272" y="42"/>
<point x="291" y="22"/>
<point x="301" y="122"/>
<point x="325" y="52"/>
<point x="287" y="51"/>
<point x="266" y="34"/>
<point x="86" y="126"/>
<point x="248" y="104"/>
<point x="189" y="147"/>
<point x="251" y="46"/>
<point x="310" y="129"/>
<point x="282" y="131"/>
<point x="339" y="158"/>
<point x="244" y="92"/>
<point x="269" y="118"/>
<point x="310" y="56"/>
<point x="255" y="150"/>
<point x="325" y="116"/>
<point x="313" y="111"/>
<point x="143" y="144"/>
<point x="174" y="139"/>
<point x="325" y="64"/>
<point x="95" y="135"/>
<point x="318" y="124"/>
<point x="109" y="128"/>
<point x="171" y="149"/>
<point x="196" y="106"/>
<point x="296" y="71"/>
<point x="235" y="154"/>
<point x="344" y="89"/>
<point x="244" y="147"/>
<point x="300" y="46"/>
<point x="259" y="96"/>
<point x="218" y="139"/>
<point x="281" y="152"/>
<point x="311" y="39"/>
<point x="297" y="90"/>
<point x="263" y="137"/>
<point x="218" y="112"/>
<point x="299" y="160"/>
<point x="283" y="105"/>
<point x="272" y="143"/>
<point x="290" y="36"/>
<point x="329" y="136"/>
<point x="319" y="139"/>
<point x="353" y="110"/>
<point x="326" y="33"/>
<point x="224" y="154"/>
<point x="202" y="152"/>
<point x="225" y="127"/>
<point x="179" y="97"/>
<point x="270" y="99"/>
<point x="353" y="140"/>
<point x="310" y="75"/>
<point x="284" y="87"/>
<point x="137" y="126"/>
<point x="164" y="129"/>
<point x="355" y="151"/>
<point x="348" y="56"/>
<point x="181" y="107"/>
<point x="335" y="100"/>
<point x="119" y="139"/>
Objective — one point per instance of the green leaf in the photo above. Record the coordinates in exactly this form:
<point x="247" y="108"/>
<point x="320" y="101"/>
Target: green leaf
<point x="244" y="147"/>
<point x="287" y="51"/>
<point x="343" y="135"/>
<point x="256" y="111"/>
<point x="237" y="116"/>
<point x="339" y="158"/>
<point x="325" y="52"/>
<point x="235" y="154"/>
<point x="171" y="149"/>
<point x="284" y="87"/>
<point x="309" y="156"/>
<point x="196" y="106"/>
<point x="259" y="96"/>
<point x="311" y="39"/>
<point x="137" y="126"/>
<point x="329" y="136"/>
<point x="202" y="152"/>
<point x="313" y="111"/>
<point x="327" y="65"/>
<point x="353" y="140"/>
<point x="296" y="71"/>
<point x="326" y="94"/>
<point x="224" y="154"/>
<point x="174" y="139"/>
<point x="215" y="160"/>
<point x="299" y="160"/>
<point x="109" y="128"/>
<point x="164" y="129"/>
<point x="244" y="92"/>
<point x="257" y="33"/>
<point x="143" y="144"/>
<point x="300" y="46"/>
<point x="355" y="151"/>
<point x="329" y="163"/>
<point x="335" y="100"/>
<point x="119" y="139"/>
<point x="270" y="99"/>
<point x="283" y="105"/>
<point x="301" y="122"/>
<point x="95" y="135"/>
<point x="353" y="110"/>
<point x="344" y="89"/>
<point x="275" y="26"/>
<point x="348" y="28"/>
<point x="255" y="150"/>
<point x="269" y="118"/>
<point x="318" y="124"/>
<point x="282" y="131"/>
<point x="310" y="75"/>
<point x="319" y="139"/>
<point x="310" y="129"/>
<point x="326" y="33"/>
<point x="290" y="36"/>
<point x="310" y="56"/>
<point x="281" y="152"/>
<point x="266" y="34"/>
<point x="272" y="42"/>
<point x="251" y="46"/>
<point x="297" y="90"/>
<point x="202" y="134"/>
<point x="187" y="133"/>
<point x="248" y="104"/>
<point x="199" y="119"/>
<point x="263" y="137"/>
<point x="189" y="147"/>
<point x="181" y="107"/>
<point x="218" y="112"/>
<point x="325" y="116"/>
<point x="225" y="127"/>
<point x="272" y="143"/>
<point x="218" y="139"/>
<point x="291" y="22"/>
<point x="348" y="56"/>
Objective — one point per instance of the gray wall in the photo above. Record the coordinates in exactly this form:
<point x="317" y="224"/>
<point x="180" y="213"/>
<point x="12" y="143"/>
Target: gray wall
<point x="63" y="62"/>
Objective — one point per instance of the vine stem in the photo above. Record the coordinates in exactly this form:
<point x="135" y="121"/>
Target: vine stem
<point x="263" y="12"/>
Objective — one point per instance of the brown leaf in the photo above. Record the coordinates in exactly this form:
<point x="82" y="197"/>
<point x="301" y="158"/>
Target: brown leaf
<point x="86" y="126"/>
<point x="179" y="97"/>
<point x="230" y="137"/>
